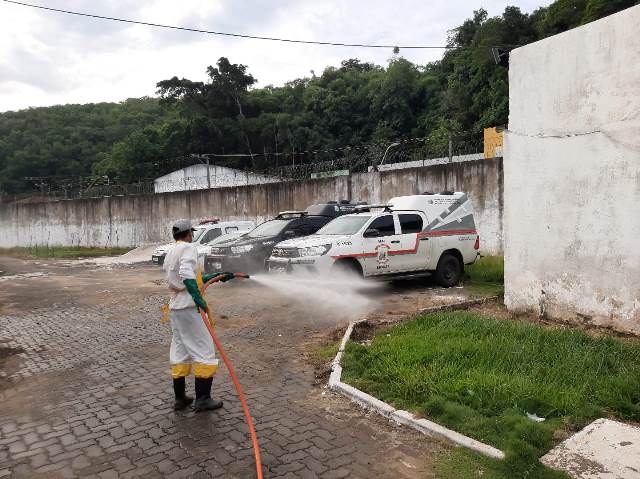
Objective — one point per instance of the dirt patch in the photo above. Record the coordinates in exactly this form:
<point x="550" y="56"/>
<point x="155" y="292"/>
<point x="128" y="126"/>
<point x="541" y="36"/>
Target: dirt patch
<point x="495" y="309"/>
<point x="404" y="445"/>
<point x="28" y="396"/>
<point x="321" y="363"/>
<point x="41" y="284"/>
<point x="6" y="352"/>
<point x="9" y="362"/>
<point x="498" y="310"/>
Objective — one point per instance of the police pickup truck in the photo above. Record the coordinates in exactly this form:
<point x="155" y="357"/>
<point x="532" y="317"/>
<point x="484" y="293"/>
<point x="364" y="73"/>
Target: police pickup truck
<point x="418" y="234"/>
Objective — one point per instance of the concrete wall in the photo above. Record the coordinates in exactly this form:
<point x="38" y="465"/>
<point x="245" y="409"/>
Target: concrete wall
<point x="138" y="219"/>
<point x="572" y="175"/>
<point x="194" y="177"/>
<point x="429" y="162"/>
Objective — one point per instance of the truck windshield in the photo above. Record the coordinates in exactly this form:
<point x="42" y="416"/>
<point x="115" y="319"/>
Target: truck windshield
<point x="345" y="225"/>
<point x="197" y="233"/>
<point x="268" y="228"/>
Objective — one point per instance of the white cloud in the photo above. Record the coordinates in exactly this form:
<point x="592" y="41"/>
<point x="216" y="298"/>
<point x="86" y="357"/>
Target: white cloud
<point x="50" y="58"/>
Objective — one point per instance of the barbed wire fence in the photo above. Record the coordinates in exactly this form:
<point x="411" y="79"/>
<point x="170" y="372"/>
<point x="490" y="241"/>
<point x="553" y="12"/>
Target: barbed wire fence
<point x="240" y="169"/>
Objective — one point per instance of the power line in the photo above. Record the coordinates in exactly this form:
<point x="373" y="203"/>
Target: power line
<point x="237" y="35"/>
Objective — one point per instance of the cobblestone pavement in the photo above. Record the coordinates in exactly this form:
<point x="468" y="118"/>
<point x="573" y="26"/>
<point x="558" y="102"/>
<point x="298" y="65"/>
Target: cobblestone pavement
<point x="87" y="393"/>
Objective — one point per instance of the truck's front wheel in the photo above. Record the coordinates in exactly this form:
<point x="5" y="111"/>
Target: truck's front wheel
<point x="449" y="270"/>
<point x="348" y="268"/>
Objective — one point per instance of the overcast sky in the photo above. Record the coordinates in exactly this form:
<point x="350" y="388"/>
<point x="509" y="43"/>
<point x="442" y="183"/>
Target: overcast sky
<point x="49" y="58"/>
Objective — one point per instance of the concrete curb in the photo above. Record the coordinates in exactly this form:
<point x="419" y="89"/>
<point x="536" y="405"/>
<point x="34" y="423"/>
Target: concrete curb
<point x="404" y="417"/>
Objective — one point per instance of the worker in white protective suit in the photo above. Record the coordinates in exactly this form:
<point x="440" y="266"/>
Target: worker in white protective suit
<point x="192" y="348"/>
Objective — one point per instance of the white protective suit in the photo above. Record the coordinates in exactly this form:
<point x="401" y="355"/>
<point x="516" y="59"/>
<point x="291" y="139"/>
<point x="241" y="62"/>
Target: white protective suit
<point x="191" y="344"/>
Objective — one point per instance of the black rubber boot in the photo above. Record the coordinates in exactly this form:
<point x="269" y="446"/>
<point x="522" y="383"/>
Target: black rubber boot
<point x="203" y="396"/>
<point x="182" y="400"/>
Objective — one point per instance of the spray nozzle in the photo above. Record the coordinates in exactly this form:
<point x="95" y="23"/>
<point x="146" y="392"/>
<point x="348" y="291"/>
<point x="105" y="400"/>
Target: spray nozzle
<point x="242" y="275"/>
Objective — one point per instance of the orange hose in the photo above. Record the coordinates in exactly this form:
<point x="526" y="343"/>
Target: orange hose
<point x="236" y="383"/>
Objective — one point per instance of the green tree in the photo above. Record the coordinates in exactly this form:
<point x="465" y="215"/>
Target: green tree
<point x="231" y="81"/>
<point x="129" y="159"/>
<point x="562" y="15"/>
<point x="596" y="9"/>
<point x="67" y="140"/>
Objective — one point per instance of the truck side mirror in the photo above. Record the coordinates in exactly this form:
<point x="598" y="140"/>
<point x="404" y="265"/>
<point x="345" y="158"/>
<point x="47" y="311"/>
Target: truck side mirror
<point x="371" y="233"/>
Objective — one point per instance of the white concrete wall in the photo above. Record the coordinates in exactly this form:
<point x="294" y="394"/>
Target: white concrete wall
<point x="572" y="175"/>
<point x="194" y="177"/>
<point x="430" y="162"/>
<point x="137" y="219"/>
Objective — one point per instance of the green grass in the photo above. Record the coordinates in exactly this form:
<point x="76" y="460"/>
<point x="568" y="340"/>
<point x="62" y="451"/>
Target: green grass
<point x="489" y="269"/>
<point x="480" y="376"/>
<point x="486" y="276"/>
<point x="482" y="290"/>
<point x="325" y="353"/>
<point x="62" y="251"/>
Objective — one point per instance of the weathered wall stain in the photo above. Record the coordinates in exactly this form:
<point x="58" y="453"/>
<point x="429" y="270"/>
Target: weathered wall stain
<point x="137" y="219"/>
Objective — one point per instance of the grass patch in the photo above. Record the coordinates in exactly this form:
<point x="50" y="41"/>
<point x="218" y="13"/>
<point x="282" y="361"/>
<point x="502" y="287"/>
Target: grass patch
<point x="481" y="290"/>
<point x="486" y="276"/>
<point x="480" y="376"/>
<point x="325" y="353"/>
<point x="489" y="269"/>
<point x="62" y="251"/>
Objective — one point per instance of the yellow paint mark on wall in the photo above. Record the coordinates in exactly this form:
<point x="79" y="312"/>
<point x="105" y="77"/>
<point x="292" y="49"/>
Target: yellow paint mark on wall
<point x="493" y="141"/>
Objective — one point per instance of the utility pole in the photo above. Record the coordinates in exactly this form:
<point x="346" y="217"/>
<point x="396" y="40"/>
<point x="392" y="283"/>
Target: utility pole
<point x="450" y="149"/>
<point x="275" y="145"/>
<point x="208" y="175"/>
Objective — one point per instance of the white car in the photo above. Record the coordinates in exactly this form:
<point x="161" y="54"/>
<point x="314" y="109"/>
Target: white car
<point x="428" y="233"/>
<point x="206" y="232"/>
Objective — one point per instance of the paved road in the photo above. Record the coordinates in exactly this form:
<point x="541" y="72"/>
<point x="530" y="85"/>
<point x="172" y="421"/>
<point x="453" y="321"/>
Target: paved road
<point x="86" y="393"/>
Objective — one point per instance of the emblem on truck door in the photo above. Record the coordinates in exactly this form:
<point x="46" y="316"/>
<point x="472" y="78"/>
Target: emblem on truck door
<point x="382" y="258"/>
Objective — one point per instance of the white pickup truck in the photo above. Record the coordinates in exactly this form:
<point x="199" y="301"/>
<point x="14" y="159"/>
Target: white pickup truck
<point x="418" y="234"/>
<point x="206" y="232"/>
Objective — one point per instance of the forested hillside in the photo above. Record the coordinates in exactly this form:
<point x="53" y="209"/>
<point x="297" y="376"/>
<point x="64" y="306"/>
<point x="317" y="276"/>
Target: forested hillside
<point x="68" y="140"/>
<point x="352" y="104"/>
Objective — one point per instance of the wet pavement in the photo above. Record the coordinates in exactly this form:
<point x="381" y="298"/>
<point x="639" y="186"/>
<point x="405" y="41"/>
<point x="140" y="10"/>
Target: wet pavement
<point x="86" y="389"/>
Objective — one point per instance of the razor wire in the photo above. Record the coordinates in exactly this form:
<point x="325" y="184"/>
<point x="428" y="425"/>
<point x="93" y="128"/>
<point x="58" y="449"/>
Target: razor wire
<point x="243" y="169"/>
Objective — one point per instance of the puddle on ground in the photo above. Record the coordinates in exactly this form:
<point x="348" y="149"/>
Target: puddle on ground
<point x="10" y="277"/>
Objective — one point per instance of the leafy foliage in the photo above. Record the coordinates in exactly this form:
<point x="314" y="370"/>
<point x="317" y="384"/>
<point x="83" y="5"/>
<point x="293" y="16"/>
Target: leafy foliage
<point x="67" y="140"/>
<point x="355" y="103"/>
